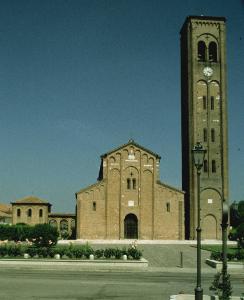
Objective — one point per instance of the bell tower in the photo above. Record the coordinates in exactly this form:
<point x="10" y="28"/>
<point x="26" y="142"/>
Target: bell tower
<point x="204" y="119"/>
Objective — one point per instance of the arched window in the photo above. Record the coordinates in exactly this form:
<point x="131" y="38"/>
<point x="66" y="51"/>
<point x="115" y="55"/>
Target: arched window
<point x="40" y="213"/>
<point x="205" y="166"/>
<point x="94" y="206"/>
<point x="204" y="102"/>
<point x="213" y="166"/>
<point x="134" y="183"/>
<point x="29" y="212"/>
<point x="205" y="134"/>
<point x="64" y="225"/>
<point x="201" y="51"/>
<point x="168" y="207"/>
<point x="128" y="184"/>
<point x="212" y="102"/>
<point x="212" y="50"/>
<point x="212" y="135"/>
<point x="53" y="223"/>
<point x="18" y="212"/>
<point x="72" y="223"/>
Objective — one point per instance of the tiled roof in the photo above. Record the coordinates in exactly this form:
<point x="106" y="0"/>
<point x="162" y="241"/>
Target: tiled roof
<point x="6" y="215"/>
<point x="61" y="215"/>
<point x="30" y="200"/>
<point x="6" y="208"/>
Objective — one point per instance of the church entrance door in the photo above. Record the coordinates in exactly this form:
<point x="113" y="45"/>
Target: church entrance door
<point x="131" y="227"/>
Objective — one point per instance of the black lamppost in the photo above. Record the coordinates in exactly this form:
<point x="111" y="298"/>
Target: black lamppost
<point x="198" y="155"/>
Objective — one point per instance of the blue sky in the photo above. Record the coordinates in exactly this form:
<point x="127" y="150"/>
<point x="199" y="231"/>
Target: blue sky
<point x="79" y="78"/>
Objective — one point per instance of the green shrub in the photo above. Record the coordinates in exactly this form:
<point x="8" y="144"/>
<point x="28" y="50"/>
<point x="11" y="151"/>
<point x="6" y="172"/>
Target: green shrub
<point x="15" y="250"/>
<point x="117" y="253"/>
<point x="77" y="251"/>
<point x="60" y="249"/>
<point x="240" y="254"/>
<point x="44" y="235"/>
<point x="134" y="253"/>
<point x="99" y="253"/>
<point x="21" y="232"/>
<point x="3" y="250"/>
<point x="87" y="250"/>
<point x="215" y="255"/>
<point x="5" y="232"/>
<point x="32" y="251"/>
<point x="108" y="252"/>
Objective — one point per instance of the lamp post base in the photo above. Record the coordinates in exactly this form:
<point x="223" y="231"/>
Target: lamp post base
<point x="198" y="293"/>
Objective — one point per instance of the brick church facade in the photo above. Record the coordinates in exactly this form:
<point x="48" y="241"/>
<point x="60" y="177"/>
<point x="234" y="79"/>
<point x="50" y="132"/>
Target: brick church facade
<point x="129" y="200"/>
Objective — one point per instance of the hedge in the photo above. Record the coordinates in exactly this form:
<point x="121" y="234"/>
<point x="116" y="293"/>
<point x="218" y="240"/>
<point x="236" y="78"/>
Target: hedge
<point x="71" y="251"/>
<point x="237" y="255"/>
<point x="43" y="235"/>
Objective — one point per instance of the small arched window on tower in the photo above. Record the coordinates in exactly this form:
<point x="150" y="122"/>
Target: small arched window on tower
<point x="18" y="212"/>
<point x="205" y="134"/>
<point x="212" y="135"/>
<point x="134" y="183"/>
<point x="212" y="51"/>
<point x="212" y="102"/>
<point x="201" y="51"/>
<point x="213" y="166"/>
<point x="40" y="213"/>
<point x="29" y="212"/>
<point x="205" y="166"/>
<point x="204" y="102"/>
<point x="128" y="184"/>
<point x="168" y="207"/>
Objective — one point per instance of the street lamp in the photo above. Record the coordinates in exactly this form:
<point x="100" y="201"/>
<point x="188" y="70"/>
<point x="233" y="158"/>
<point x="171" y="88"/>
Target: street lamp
<point x="198" y="155"/>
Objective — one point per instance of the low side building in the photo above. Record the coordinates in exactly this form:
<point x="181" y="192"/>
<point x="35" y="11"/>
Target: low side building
<point x="65" y="223"/>
<point x="129" y="201"/>
<point x="30" y="210"/>
<point x="5" y="213"/>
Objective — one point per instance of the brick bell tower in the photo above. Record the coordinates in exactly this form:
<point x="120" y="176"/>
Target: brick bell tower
<point x="204" y="119"/>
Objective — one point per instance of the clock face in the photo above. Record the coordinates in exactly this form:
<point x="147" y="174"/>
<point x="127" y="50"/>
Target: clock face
<point x="207" y="71"/>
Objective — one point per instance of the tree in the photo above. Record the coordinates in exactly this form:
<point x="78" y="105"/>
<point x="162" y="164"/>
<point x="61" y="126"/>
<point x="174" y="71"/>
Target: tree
<point x="240" y="235"/>
<point x="237" y="213"/>
<point x="222" y="286"/>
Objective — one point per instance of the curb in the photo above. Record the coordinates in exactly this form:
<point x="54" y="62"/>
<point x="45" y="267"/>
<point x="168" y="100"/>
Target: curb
<point x="230" y="265"/>
<point x="77" y="264"/>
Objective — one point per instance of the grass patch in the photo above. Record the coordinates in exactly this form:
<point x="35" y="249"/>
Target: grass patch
<point x="233" y="253"/>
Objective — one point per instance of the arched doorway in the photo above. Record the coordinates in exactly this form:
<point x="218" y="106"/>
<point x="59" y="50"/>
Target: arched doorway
<point x="131" y="227"/>
<point x="209" y="228"/>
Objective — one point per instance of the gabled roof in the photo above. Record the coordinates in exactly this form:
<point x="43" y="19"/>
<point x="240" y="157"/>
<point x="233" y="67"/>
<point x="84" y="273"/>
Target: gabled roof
<point x="31" y="200"/>
<point x="5" y="215"/>
<point x="6" y="208"/>
<point x="133" y="143"/>
<point x="170" y="187"/>
<point x="89" y="187"/>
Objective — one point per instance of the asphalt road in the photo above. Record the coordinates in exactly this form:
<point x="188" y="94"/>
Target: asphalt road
<point x="26" y="284"/>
